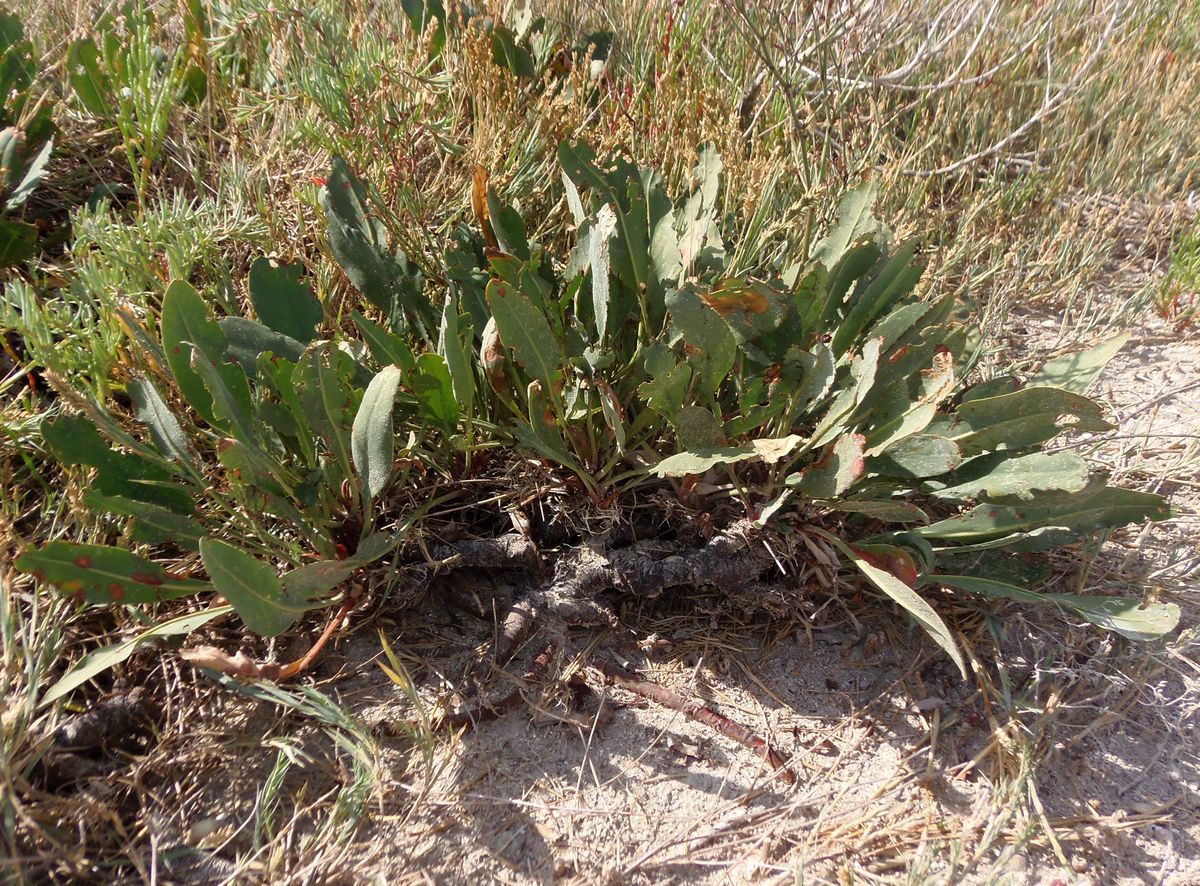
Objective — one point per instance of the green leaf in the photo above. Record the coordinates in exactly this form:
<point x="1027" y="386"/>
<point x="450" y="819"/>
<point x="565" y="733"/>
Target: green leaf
<point x="230" y="394"/>
<point x="18" y="242"/>
<point x="457" y="355"/>
<point x="895" y="280"/>
<point x="765" y="450"/>
<point x="1097" y="507"/>
<point x="862" y="377"/>
<point x="854" y="222"/>
<point x="249" y="339"/>
<point x="104" y="574"/>
<point x="33" y="177"/>
<point x="386" y="347"/>
<point x="152" y="524"/>
<point x="359" y="242"/>
<point x="313" y="580"/>
<point x="152" y="410"/>
<point x="434" y="390"/>
<point x="917" y="456"/>
<point x="322" y="382"/>
<point x="525" y="330"/>
<point x="1132" y="619"/>
<point x="893" y="416"/>
<point x="421" y="14"/>
<point x="282" y="302"/>
<point x="909" y="600"/>
<point x="1023" y="419"/>
<point x="598" y="247"/>
<point x="508" y="227"/>
<point x="507" y="53"/>
<point x="1078" y="372"/>
<point x="835" y="472"/>
<point x="184" y="325"/>
<point x="372" y="437"/>
<point x="697" y="428"/>
<point x="74" y="440"/>
<point x="256" y="592"/>
<point x="88" y="78"/>
<point x="100" y="660"/>
<point x="996" y="475"/>
<point x="710" y="341"/>
<point x="887" y="511"/>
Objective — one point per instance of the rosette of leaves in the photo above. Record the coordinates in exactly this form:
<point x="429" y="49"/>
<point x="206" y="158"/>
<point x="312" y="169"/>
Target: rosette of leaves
<point x="828" y="388"/>
<point x="819" y="403"/>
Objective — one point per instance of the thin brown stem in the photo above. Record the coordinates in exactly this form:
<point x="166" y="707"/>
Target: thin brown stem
<point x="630" y="682"/>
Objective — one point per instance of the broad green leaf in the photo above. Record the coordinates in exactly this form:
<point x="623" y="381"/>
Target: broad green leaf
<point x="282" y="302"/>
<point x="574" y="201"/>
<point x="88" y="78"/>
<point x="895" y="420"/>
<point x="601" y="233"/>
<point x="386" y="347"/>
<point x="542" y="432"/>
<point x="917" y="456"/>
<point x="252" y="587"/>
<point x="695" y="218"/>
<point x="995" y="475"/>
<point x="525" y="330"/>
<point x="249" y="339"/>
<point x="74" y="440"/>
<point x="322" y="382"/>
<point x="668" y="385"/>
<point x="359" y="242"/>
<point x="184" y="325"/>
<point x="424" y="13"/>
<point x="508" y="227"/>
<point x="18" y="242"/>
<point x="1096" y="507"/>
<point x="434" y="389"/>
<point x="854" y="222"/>
<point x="1132" y="619"/>
<point x="819" y="376"/>
<point x="887" y="511"/>
<point x="709" y="340"/>
<point x="104" y="574"/>
<point x="509" y="54"/>
<point x="895" y="280"/>
<point x="372" y="438"/>
<point x="100" y="660"/>
<point x="34" y="174"/>
<point x="1023" y="419"/>
<point x="769" y="451"/>
<point x="855" y="265"/>
<point x="909" y="600"/>
<point x="835" y="472"/>
<point x="313" y="580"/>
<point x="152" y="410"/>
<point x="457" y="355"/>
<point x="230" y="394"/>
<point x="862" y="377"/>
<point x="153" y="524"/>
<point x="697" y="428"/>
<point x="1078" y="372"/>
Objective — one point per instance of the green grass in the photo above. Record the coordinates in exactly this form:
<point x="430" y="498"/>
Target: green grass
<point x="219" y="182"/>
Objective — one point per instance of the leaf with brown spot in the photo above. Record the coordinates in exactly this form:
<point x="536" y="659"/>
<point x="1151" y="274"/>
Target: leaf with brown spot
<point x="105" y="574"/>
